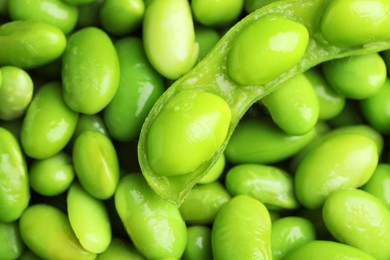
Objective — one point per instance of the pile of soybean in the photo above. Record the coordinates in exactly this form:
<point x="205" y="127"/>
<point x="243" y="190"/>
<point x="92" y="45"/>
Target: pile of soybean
<point x="202" y="129"/>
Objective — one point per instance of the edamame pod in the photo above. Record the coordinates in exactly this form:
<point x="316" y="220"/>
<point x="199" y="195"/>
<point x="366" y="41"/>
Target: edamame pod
<point x="269" y="184"/>
<point x="169" y="37"/>
<point x="48" y="124"/>
<point x="47" y="232"/>
<point x="14" y="188"/>
<point x="351" y="160"/>
<point x="154" y="225"/>
<point x="139" y="87"/>
<point x="89" y="219"/>
<point x="203" y="203"/>
<point x="96" y="164"/>
<point x="120" y="249"/>
<point x="325" y="250"/>
<point x="242" y="230"/>
<point x="90" y="71"/>
<point x="30" y="44"/>
<point x="54" y="12"/>
<point x="214" y="75"/>
<point x="359" y="219"/>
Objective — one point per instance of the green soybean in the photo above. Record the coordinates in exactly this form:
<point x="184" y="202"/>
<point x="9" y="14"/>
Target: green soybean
<point x="242" y="230"/>
<point x="11" y="242"/>
<point x="378" y="183"/>
<point x="260" y="140"/>
<point x="121" y="17"/>
<point x="271" y="185"/>
<point x="47" y="232"/>
<point x="325" y="250"/>
<point x="214" y="75"/>
<point x="355" y="27"/>
<point x="14" y="188"/>
<point x="16" y="92"/>
<point x="54" y="12"/>
<point x="215" y="13"/>
<point x="48" y="124"/>
<point x="52" y="176"/>
<point x="356" y="77"/>
<point x="79" y="2"/>
<point x="359" y="219"/>
<point x="154" y="225"/>
<point x="290" y="233"/>
<point x="206" y="37"/>
<point x="169" y="37"/>
<point x="268" y="47"/>
<point x="139" y="87"/>
<point x="30" y="44"/>
<point x="96" y="164"/>
<point x="198" y="243"/>
<point x="374" y="109"/>
<point x="330" y="102"/>
<point x="215" y="172"/>
<point x="351" y="160"/>
<point x="90" y="71"/>
<point x="294" y="105"/>
<point x="203" y="116"/>
<point x="203" y="203"/>
<point x="120" y="249"/>
<point x="89" y="219"/>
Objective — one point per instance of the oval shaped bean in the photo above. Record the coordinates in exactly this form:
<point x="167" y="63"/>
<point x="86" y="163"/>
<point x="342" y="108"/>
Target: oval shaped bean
<point x="80" y="2"/>
<point x="11" y="242"/>
<point x="294" y="105"/>
<point x="139" y="87"/>
<point x="54" y="12"/>
<point x="155" y="225"/>
<point x="14" y="188"/>
<point x="203" y="202"/>
<point x="271" y="185"/>
<point x="325" y="250"/>
<point x="378" y="184"/>
<point x="260" y="140"/>
<point x="51" y="176"/>
<point x="215" y="172"/>
<point x="356" y="77"/>
<point x="121" y="17"/>
<point x="190" y="129"/>
<point x="119" y="249"/>
<point x="358" y="22"/>
<point x="16" y="92"/>
<point x="198" y="243"/>
<point x="30" y="44"/>
<point x="242" y="230"/>
<point x="169" y="37"/>
<point x="290" y="233"/>
<point x="267" y="48"/>
<point x="359" y="219"/>
<point x="351" y="160"/>
<point x="47" y="232"/>
<point x="207" y="38"/>
<point x="330" y="102"/>
<point x="90" y="71"/>
<point x="89" y="219"/>
<point x="216" y="13"/>
<point x="92" y="122"/>
<point x="96" y="164"/>
<point x="374" y="109"/>
<point x="48" y="124"/>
